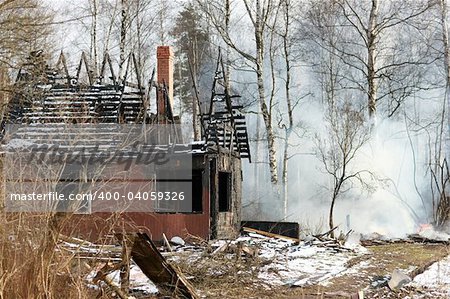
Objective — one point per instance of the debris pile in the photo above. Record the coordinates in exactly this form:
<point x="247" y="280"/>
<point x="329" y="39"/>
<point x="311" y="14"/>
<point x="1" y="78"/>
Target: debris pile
<point x="136" y="268"/>
<point x="279" y="260"/>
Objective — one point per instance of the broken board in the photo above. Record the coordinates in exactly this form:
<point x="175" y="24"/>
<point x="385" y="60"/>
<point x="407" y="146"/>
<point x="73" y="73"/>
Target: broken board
<point x="145" y="254"/>
<point x="288" y="229"/>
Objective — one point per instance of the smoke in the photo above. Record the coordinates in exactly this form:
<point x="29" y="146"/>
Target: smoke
<point x="394" y="199"/>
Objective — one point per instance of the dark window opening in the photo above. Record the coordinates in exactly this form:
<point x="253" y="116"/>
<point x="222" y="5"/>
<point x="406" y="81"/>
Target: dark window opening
<point x="224" y="192"/>
<point x="164" y="184"/>
<point x="197" y="191"/>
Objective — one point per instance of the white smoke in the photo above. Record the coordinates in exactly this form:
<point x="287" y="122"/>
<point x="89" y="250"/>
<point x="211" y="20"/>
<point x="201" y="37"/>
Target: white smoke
<point x="398" y="199"/>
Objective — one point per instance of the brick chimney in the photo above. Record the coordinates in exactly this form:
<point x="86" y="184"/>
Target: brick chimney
<point x="164" y="55"/>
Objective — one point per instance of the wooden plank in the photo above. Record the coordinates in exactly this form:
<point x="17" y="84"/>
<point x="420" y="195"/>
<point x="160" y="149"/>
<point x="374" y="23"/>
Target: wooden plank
<point x="284" y="228"/>
<point x="158" y="270"/>
<point x="110" y="283"/>
<point x="270" y="235"/>
<point x="167" y="242"/>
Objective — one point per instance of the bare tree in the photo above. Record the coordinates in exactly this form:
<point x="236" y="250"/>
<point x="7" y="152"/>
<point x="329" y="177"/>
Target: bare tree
<point x="260" y="14"/>
<point x="347" y="134"/>
<point x="444" y="25"/>
<point x="379" y="51"/>
<point x="374" y="48"/>
<point x="322" y="37"/>
<point x="438" y="166"/>
<point x="286" y="121"/>
<point x="446" y="48"/>
<point x="123" y="36"/>
<point x="94" y="47"/>
<point x="24" y="27"/>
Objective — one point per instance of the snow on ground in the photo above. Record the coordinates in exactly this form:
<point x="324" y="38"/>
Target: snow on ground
<point x="301" y="266"/>
<point x="436" y="278"/>
<point x="307" y="263"/>
<point x="138" y="281"/>
<point x="284" y="262"/>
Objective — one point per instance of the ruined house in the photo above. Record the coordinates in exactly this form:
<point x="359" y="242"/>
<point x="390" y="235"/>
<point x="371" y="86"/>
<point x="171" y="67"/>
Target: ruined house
<point x="51" y="96"/>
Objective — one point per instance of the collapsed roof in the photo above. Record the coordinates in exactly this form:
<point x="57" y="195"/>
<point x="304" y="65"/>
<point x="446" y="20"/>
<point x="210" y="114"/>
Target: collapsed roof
<point x="45" y="94"/>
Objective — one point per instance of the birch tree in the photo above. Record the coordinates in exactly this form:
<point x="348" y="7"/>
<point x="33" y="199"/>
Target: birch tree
<point x="289" y="125"/>
<point x="384" y="50"/>
<point x="123" y="36"/>
<point x="259" y="13"/>
<point x="287" y="103"/>
<point x="446" y="48"/>
<point x="93" y="53"/>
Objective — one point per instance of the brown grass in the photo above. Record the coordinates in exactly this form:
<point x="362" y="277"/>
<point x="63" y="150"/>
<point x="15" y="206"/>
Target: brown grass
<point x="31" y="266"/>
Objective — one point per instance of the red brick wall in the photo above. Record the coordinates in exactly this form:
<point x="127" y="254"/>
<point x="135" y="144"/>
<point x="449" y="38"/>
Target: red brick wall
<point x="164" y="56"/>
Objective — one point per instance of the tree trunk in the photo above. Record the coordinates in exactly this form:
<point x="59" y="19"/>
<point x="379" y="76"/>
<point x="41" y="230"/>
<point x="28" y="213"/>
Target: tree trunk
<point x="285" y="174"/>
<point x="444" y="198"/>
<point x="123" y="35"/>
<point x="371" y="80"/>
<point x="268" y="124"/>
<point x="227" y="48"/>
<point x="140" y="54"/>
<point x="287" y="88"/>
<point x="94" y="52"/>
<point x="446" y="57"/>
<point x="330" y="216"/>
<point x="445" y="39"/>
<point x="265" y="110"/>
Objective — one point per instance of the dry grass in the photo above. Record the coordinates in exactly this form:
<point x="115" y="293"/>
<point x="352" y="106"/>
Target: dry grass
<point x="30" y="267"/>
<point x="31" y="264"/>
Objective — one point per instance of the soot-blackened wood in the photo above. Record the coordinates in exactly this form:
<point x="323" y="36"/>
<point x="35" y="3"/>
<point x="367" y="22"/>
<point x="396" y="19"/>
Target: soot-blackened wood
<point x="145" y="254"/>
<point x="288" y="229"/>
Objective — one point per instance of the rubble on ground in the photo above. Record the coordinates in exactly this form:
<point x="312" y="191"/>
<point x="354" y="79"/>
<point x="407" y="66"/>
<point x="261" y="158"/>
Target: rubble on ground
<point x="268" y="261"/>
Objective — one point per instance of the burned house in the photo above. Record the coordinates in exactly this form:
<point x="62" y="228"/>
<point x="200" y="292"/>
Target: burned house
<point x="47" y="97"/>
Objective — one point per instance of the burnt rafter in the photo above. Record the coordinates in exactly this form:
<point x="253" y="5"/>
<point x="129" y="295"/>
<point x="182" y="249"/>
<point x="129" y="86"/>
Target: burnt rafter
<point x="107" y="64"/>
<point x="84" y="62"/>
<point x="61" y="67"/>
<point x="224" y="125"/>
<point x="53" y="95"/>
<point x="47" y="94"/>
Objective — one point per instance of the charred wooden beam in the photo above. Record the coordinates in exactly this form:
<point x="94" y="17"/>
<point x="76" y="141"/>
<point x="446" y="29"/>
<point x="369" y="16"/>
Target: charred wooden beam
<point x="62" y="64"/>
<point x="107" y="62"/>
<point x="158" y="270"/>
<point x="83" y="60"/>
<point x="270" y="235"/>
<point x="288" y="229"/>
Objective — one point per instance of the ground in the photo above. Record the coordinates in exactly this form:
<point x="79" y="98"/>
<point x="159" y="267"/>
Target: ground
<point x="254" y="266"/>
<point x="358" y="272"/>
